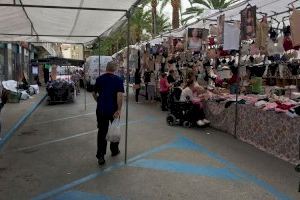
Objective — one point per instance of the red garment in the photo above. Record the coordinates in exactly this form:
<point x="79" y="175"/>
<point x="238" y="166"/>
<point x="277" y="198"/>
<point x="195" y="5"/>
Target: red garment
<point x="164" y="85"/>
<point x="211" y="41"/>
<point x="284" y="106"/>
<point x="234" y="79"/>
<point x="287" y="43"/>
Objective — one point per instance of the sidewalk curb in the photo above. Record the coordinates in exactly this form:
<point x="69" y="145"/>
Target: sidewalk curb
<point x="20" y="122"/>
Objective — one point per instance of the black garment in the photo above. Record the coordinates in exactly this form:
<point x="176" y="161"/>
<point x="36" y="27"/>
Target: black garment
<point x="163" y="66"/>
<point x="137" y="78"/>
<point x="147" y="76"/>
<point x="197" y="113"/>
<point x="228" y="103"/>
<point x="293" y="68"/>
<point x="137" y="93"/>
<point x="273" y="69"/>
<point x="171" y="79"/>
<point x="257" y="71"/>
<point x="103" y="124"/>
<point x="164" y="101"/>
<point x="46" y="75"/>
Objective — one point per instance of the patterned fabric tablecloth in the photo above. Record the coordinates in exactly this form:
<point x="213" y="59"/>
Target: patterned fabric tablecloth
<point x="275" y="133"/>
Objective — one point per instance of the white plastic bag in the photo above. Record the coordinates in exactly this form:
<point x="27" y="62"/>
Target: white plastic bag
<point x="114" y="131"/>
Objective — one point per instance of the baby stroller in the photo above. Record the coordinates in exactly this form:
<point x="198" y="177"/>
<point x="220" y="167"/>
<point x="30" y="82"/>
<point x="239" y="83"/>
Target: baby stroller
<point x="180" y="112"/>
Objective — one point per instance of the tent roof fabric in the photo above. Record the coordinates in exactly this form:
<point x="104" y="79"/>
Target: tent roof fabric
<point x="270" y="7"/>
<point x="59" y="20"/>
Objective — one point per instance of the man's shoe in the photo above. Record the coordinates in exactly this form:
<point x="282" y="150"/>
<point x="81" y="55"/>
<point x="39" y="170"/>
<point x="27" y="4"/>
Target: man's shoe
<point x="115" y="154"/>
<point x="101" y="161"/>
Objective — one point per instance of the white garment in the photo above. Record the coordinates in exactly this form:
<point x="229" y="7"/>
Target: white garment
<point x="186" y="92"/>
<point x="195" y="45"/>
<point x="231" y="37"/>
<point x="152" y="80"/>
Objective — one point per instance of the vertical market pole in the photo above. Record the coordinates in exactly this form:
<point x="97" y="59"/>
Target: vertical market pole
<point x="99" y="49"/>
<point x="84" y="76"/>
<point x="127" y="83"/>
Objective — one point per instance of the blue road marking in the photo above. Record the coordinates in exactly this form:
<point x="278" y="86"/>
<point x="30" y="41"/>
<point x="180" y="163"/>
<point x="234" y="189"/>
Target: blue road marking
<point x="78" y="195"/>
<point x="184" y="168"/>
<point x="229" y="172"/>
<point x="20" y="122"/>
<point x="187" y="144"/>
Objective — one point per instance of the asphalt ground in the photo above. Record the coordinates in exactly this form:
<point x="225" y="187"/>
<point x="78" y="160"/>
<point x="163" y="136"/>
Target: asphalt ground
<point x="52" y="156"/>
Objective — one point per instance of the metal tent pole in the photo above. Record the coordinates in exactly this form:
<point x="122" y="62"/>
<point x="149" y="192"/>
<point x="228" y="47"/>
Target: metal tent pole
<point x="84" y="77"/>
<point x="99" y="49"/>
<point x="127" y="84"/>
<point x="237" y="91"/>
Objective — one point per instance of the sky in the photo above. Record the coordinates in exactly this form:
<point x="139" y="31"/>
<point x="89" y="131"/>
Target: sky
<point x="168" y="9"/>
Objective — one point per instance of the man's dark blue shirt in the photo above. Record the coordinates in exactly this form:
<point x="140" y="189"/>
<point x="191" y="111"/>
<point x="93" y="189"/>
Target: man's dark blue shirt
<point x="107" y="86"/>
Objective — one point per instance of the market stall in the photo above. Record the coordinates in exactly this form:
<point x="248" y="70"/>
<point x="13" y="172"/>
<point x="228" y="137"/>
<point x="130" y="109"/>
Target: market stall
<point x="247" y="58"/>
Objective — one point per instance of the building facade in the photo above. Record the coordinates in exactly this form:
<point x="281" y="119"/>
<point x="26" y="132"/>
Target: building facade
<point x="72" y="51"/>
<point x="15" y="58"/>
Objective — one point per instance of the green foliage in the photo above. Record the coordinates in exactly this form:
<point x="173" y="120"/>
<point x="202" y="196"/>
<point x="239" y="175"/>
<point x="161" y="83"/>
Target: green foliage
<point x="198" y="6"/>
<point x="140" y="30"/>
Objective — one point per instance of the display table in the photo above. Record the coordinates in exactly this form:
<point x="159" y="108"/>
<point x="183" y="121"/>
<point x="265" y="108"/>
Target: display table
<point x="275" y="133"/>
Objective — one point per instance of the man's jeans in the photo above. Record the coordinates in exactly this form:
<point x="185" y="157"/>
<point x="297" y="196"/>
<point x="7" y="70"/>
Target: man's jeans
<point x="103" y="124"/>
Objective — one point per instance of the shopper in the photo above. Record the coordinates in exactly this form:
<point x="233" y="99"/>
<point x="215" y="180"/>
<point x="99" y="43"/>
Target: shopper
<point x="137" y="84"/>
<point x="197" y="111"/>
<point x="108" y="93"/>
<point x="171" y="78"/>
<point x="147" y="79"/>
<point x="164" y="91"/>
<point x="151" y="87"/>
<point x="4" y="99"/>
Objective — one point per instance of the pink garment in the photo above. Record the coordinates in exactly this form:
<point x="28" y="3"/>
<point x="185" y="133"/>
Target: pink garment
<point x="279" y="110"/>
<point x="164" y="85"/>
<point x="198" y="101"/>
<point x="270" y="106"/>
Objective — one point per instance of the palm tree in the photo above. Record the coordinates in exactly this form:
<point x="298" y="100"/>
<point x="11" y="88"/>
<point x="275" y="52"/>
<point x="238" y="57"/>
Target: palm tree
<point x="154" y="16"/>
<point x="138" y="23"/>
<point x="162" y="23"/>
<point x="198" y="6"/>
<point x="176" y="5"/>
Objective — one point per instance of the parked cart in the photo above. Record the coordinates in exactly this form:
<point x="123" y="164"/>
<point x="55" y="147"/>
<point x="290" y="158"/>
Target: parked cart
<point x="61" y="91"/>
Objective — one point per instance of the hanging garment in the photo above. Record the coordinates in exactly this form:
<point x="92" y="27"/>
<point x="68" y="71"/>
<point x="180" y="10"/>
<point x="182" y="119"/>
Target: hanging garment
<point x="262" y="35"/>
<point x="213" y="30"/>
<point x="287" y="43"/>
<point x="254" y="50"/>
<point x="295" y="27"/>
<point x="231" y="37"/>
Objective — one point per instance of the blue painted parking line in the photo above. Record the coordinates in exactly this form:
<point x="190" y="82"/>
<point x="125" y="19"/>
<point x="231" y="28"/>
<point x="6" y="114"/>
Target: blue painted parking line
<point x="178" y="167"/>
<point x="187" y="144"/>
<point x="78" y="195"/>
<point x="20" y="122"/>
<point x="229" y="172"/>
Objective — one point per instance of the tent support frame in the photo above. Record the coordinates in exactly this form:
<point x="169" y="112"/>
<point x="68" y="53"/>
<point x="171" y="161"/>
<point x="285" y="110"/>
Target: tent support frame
<point x="61" y="7"/>
<point x="128" y="15"/>
<point x="99" y="53"/>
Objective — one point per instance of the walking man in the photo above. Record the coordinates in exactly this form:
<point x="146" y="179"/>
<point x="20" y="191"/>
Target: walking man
<point x="108" y="93"/>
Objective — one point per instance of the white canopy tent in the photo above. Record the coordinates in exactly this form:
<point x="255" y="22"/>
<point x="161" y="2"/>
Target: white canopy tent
<point x="65" y="21"/>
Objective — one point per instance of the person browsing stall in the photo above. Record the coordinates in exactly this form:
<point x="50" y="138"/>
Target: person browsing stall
<point x="170" y="77"/>
<point x="197" y="112"/>
<point x="164" y="91"/>
<point x="108" y="93"/>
